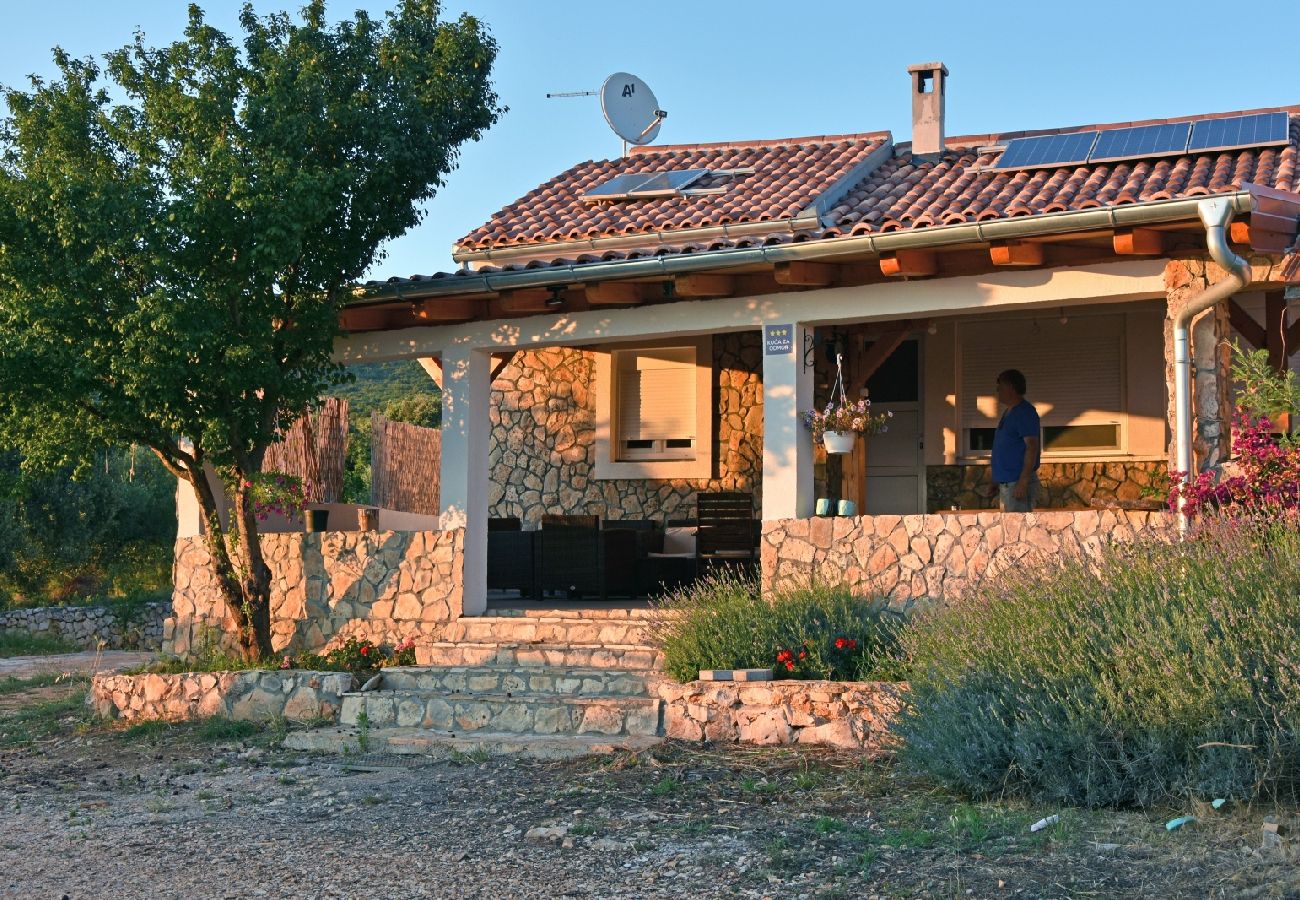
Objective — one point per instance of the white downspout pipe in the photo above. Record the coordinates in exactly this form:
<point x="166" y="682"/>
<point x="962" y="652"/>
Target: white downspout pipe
<point x="1216" y="214"/>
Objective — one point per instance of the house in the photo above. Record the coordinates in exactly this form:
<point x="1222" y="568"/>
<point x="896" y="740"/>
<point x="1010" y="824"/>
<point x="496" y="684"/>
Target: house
<point x="639" y="330"/>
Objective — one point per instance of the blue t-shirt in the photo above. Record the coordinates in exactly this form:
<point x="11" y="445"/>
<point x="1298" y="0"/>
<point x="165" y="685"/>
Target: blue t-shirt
<point x="1018" y="423"/>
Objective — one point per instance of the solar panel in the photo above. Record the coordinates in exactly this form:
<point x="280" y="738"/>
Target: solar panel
<point x="1048" y="150"/>
<point x="667" y="183"/>
<point x="644" y="184"/>
<point x="1259" y="130"/>
<point x="1141" y="141"/>
<point x="616" y="188"/>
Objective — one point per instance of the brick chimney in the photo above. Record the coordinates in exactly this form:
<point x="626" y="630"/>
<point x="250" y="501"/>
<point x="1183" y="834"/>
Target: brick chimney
<point x="929" y="81"/>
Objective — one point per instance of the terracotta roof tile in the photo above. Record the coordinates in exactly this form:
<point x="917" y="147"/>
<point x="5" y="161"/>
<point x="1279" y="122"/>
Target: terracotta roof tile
<point x="788" y="177"/>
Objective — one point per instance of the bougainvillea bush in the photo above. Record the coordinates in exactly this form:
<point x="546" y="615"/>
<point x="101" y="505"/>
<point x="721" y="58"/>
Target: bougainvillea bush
<point x="1263" y="476"/>
<point x="722" y="622"/>
<point x="1158" y="671"/>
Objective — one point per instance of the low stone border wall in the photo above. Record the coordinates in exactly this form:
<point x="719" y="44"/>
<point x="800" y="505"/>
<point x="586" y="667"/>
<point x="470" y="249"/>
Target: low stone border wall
<point x="848" y="714"/>
<point x="131" y="628"/>
<point x="254" y="695"/>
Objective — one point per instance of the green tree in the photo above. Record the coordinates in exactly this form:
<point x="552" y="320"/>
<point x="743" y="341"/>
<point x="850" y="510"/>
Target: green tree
<point x="179" y="226"/>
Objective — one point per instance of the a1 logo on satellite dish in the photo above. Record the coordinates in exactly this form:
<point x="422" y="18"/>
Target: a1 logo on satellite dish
<point x="630" y="108"/>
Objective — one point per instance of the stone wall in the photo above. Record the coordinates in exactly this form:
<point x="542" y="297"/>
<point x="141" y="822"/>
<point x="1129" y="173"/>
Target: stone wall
<point x="933" y="558"/>
<point x="1064" y="485"/>
<point x="543" y="452"/>
<point x="1212" y="358"/>
<point x="122" y="627"/>
<point x="852" y="715"/>
<point x="384" y="585"/>
<point x="254" y="696"/>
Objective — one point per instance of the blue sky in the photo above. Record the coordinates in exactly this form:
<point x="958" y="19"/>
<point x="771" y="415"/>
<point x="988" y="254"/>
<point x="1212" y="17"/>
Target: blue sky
<point x="761" y="69"/>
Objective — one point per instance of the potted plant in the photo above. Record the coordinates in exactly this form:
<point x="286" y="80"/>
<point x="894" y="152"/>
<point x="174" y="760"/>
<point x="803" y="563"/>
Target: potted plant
<point x="839" y="424"/>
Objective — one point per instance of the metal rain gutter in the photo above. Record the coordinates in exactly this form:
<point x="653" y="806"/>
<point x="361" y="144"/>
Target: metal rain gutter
<point x="1216" y="214"/>
<point x="821" y="249"/>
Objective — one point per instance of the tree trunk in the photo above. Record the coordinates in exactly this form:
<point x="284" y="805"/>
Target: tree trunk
<point x="245" y="582"/>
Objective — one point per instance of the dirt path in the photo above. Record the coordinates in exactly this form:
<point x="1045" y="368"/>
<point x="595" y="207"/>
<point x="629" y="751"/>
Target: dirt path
<point x="212" y="810"/>
<point x="84" y="662"/>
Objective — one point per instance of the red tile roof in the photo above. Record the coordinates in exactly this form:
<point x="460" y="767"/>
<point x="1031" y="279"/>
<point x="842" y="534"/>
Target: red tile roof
<point x="788" y="176"/>
<point x="841" y="188"/>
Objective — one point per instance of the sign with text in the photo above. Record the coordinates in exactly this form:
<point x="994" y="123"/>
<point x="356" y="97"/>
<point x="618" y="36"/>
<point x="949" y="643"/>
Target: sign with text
<point x="778" y="339"/>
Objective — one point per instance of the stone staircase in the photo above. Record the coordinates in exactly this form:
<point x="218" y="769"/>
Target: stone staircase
<point x="541" y="683"/>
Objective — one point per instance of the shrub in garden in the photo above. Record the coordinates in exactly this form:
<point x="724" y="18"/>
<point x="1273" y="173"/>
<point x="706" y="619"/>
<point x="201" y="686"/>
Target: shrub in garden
<point x="820" y="631"/>
<point x="1158" y="670"/>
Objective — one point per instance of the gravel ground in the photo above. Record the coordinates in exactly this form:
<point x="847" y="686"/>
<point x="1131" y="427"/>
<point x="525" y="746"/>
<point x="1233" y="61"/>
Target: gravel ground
<point x="198" y="811"/>
<point x="83" y="662"/>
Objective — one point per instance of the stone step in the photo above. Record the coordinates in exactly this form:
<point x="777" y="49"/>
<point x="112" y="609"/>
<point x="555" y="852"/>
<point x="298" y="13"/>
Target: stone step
<point x="445" y="745"/>
<point x="458" y="714"/>
<point x="526" y="629"/>
<point x="530" y="681"/>
<point x="530" y="655"/>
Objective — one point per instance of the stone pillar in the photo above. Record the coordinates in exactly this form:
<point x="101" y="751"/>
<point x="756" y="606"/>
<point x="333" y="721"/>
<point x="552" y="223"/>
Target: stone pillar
<point x="466" y="432"/>
<point x="787" y="445"/>
<point x="1211" y="363"/>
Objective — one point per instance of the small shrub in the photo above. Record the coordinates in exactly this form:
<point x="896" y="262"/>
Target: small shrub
<point x="722" y="622"/>
<point x="1158" y="671"/>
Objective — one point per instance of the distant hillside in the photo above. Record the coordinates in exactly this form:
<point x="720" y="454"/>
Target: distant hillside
<point x="377" y="383"/>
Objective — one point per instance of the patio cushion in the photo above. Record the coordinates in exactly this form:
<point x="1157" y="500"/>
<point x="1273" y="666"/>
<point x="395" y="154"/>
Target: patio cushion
<point x="679" y="541"/>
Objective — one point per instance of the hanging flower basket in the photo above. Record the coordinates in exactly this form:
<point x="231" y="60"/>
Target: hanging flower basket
<point x="839" y="424"/>
<point x="839" y="441"/>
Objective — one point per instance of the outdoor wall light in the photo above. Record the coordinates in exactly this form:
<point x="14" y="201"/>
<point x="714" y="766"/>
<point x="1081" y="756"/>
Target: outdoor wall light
<point x="558" y="295"/>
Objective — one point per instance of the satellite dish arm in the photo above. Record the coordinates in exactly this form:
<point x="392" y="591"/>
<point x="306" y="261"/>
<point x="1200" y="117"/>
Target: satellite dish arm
<point x="660" y="115"/>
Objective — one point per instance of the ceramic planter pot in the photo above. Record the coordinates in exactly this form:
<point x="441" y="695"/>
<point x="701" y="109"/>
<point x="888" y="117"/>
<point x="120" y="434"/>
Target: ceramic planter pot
<point x="839" y="441"/>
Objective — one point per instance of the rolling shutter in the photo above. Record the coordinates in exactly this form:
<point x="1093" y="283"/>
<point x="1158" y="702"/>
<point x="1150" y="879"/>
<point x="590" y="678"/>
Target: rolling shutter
<point x="1075" y="371"/>
<point x="656" y="394"/>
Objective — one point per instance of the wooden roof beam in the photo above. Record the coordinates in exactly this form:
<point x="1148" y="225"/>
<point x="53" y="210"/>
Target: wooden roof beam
<point x="446" y="309"/>
<point x="801" y="273"/>
<point x="703" y="285"/>
<point x="1016" y="253"/>
<point x="522" y="302"/>
<point x="909" y="263"/>
<point x="617" y="293"/>
<point x="1138" y="242"/>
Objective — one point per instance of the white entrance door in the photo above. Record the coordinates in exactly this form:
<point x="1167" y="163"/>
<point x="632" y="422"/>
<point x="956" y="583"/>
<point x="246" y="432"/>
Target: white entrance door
<point x="895" y="463"/>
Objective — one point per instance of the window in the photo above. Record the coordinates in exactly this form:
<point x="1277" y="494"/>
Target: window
<point x="655" y="390"/>
<point x="1076" y="376"/>
<point x="654" y="410"/>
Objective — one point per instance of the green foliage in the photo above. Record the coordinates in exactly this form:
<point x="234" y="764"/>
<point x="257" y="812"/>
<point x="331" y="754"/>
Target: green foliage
<point x="398" y="400"/>
<point x="1161" y="670"/>
<point x="1265" y="392"/>
<point x="108" y="532"/>
<point x="722" y="622"/>
<point x="181" y="225"/>
<point x="360" y="657"/>
<point x="372" y="386"/>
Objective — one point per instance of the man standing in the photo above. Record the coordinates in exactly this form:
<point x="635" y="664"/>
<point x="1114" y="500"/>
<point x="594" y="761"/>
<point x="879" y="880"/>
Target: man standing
<point x="1016" y="445"/>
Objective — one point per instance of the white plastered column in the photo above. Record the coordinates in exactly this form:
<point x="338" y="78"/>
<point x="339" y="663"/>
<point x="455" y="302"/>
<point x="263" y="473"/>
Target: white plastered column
<point x="466" y="383"/>
<point x="787" y="445"/>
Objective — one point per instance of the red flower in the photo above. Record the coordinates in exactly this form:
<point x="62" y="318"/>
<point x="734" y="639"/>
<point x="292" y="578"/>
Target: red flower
<point x="365" y="651"/>
<point x="802" y="654"/>
<point x="839" y="643"/>
<point x="853" y="644"/>
<point x="789" y="666"/>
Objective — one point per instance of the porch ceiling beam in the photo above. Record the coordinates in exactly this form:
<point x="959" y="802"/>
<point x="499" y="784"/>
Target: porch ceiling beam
<point x="704" y="285"/>
<point x="617" y="293"/>
<point x="499" y="363"/>
<point x="518" y="303"/>
<point x="909" y="263"/>
<point x="365" y="319"/>
<point x="1016" y="253"/>
<point x="1246" y="326"/>
<point x="881" y="349"/>
<point x="1265" y="232"/>
<point x="446" y="309"/>
<point x="1139" y="242"/>
<point x="801" y="273"/>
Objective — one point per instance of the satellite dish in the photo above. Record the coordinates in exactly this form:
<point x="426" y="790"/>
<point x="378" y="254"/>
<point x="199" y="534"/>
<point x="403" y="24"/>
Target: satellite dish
<point x="630" y="108"/>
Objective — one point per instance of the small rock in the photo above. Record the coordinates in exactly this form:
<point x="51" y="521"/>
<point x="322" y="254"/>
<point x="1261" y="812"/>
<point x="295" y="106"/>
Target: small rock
<point x="539" y="834"/>
<point x="567" y="843"/>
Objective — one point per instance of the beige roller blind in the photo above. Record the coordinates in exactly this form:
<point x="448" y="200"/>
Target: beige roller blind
<point x="656" y="394"/>
<point x="1075" y="370"/>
